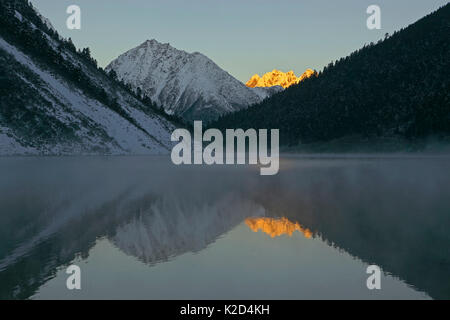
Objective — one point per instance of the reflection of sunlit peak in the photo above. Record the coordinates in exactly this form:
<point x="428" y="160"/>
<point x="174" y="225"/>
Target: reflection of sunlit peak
<point x="276" y="227"/>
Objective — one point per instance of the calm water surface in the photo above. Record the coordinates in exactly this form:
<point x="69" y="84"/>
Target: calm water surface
<point x="141" y="228"/>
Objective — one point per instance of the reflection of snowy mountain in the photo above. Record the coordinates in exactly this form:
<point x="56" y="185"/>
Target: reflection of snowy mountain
<point x="55" y="210"/>
<point x="173" y="227"/>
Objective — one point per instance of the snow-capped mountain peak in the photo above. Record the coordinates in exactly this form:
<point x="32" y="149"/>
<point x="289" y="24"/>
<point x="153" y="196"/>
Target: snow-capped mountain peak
<point x="186" y="84"/>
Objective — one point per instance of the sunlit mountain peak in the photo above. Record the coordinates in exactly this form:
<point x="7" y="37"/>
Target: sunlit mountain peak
<point x="278" y="78"/>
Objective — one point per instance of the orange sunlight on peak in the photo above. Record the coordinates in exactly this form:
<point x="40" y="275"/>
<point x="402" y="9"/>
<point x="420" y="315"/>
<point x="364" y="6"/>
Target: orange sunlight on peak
<point x="278" y="78"/>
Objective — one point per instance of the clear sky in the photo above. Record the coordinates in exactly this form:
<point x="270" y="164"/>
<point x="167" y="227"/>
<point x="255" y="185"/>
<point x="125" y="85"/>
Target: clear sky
<point x="243" y="37"/>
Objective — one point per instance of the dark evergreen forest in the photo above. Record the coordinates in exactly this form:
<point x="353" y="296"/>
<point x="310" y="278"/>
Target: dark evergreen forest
<point x="398" y="87"/>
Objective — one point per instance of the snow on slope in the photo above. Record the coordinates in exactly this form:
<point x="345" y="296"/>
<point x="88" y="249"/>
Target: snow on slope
<point x="101" y="130"/>
<point x="189" y="85"/>
<point x="9" y="145"/>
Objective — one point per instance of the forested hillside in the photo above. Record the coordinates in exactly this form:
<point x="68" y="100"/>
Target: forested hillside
<point x="56" y="100"/>
<point x="398" y="87"/>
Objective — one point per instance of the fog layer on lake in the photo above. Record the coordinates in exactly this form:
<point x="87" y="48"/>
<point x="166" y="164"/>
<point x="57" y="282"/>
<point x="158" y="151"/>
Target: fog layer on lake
<point x="143" y="228"/>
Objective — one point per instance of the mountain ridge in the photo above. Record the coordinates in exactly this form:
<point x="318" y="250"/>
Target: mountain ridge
<point x="189" y="85"/>
<point x="278" y="78"/>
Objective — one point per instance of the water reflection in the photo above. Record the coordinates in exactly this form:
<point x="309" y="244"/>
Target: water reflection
<point x="276" y="227"/>
<point x="171" y="227"/>
<point x="393" y="213"/>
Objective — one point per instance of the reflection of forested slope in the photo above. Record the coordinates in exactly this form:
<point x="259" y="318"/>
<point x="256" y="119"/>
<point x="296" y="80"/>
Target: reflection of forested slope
<point x="376" y="216"/>
<point x="399" y="87"/>
<point x="148" y="228"/>
<point x="43" y="229"/>
<point x="53" y="210"/>
<point x="22" y="276"/>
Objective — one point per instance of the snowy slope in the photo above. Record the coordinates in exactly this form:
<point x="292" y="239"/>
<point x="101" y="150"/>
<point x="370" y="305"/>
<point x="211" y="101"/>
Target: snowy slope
<point x="189" y="85"/>
<point x="43" y="113"/>
<point x="100" y="128"/>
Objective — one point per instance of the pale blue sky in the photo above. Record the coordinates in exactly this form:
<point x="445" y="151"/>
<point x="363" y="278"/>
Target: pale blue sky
<point x="244" y="37"/>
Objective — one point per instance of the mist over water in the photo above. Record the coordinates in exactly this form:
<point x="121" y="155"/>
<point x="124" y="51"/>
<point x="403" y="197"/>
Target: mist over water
<point x="140" y="227"/>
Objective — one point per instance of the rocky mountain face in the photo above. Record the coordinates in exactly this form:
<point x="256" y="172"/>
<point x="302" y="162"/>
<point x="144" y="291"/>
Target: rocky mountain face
<point x="55" y="100"/>
<point x="278" y="78"/>
<point x="189" y="85"/>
